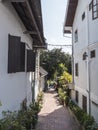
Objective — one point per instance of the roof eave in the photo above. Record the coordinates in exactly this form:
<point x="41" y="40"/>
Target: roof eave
<point x="32" y="22"/>
<point x="70" y="14"/>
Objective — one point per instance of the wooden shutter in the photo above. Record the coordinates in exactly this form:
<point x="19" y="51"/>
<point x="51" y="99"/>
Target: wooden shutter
<point x="13" y="54"/>
<point x="77" y="96"/>
<point x="31" y="59"/>
<point x="22" y="57"/>
<point x="76" y="70"/>
<point x="84" y="103"/>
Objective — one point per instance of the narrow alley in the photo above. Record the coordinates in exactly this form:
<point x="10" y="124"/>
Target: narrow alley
<point x="54" y="116"/>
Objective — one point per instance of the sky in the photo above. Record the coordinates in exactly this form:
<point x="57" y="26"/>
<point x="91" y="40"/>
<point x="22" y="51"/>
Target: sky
<point x="53" y="13"/>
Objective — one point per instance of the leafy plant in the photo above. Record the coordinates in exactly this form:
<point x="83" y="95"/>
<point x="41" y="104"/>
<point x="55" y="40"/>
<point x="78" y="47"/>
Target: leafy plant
<point x="10" y="122"/>
<point x="86" y="120"/>
<point x="63" y="97"/>
<point x="40" y="98"/>
<point x="93" y="126"/>
<point x="20" y="120"/>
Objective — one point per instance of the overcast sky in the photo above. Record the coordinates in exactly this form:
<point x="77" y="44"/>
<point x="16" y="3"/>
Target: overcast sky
<point x="53" y="12"/>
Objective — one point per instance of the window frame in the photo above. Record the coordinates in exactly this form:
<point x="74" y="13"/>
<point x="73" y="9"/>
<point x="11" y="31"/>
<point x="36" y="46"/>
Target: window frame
<point x="76" y="36"/>
<point x="83" y="16"/>
<point x="94" y="9"/>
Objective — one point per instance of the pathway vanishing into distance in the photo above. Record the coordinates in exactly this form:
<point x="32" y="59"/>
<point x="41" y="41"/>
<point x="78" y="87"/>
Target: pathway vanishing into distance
<point x="54" y="116"/>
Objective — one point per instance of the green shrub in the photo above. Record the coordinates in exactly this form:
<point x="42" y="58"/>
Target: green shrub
<point x="94" y="126"/>
<point x="10" y="122"/>
<point x="86" y="120"/>
<point x="63" y="97"/>
<point x="23" y="119"/>
<point x="66" y="100"/>
<point x="40" y="98"/>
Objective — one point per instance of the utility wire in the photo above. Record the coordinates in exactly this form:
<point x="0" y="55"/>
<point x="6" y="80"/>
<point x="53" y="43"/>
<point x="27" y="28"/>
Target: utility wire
<point x="59" y="45"/>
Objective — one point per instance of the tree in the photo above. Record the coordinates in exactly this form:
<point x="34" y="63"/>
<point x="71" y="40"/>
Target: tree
<point x="54" y="62"/>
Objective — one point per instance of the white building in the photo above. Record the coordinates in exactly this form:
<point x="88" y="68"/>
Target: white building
<point x="21" y="32"/>
<point x="82" y="21"/>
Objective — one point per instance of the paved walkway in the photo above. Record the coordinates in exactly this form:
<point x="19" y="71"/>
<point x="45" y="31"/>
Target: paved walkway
<point x="54" y="116"/>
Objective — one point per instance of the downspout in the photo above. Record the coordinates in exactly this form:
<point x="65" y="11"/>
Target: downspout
<point x="88" y="64"/>
<point x="72" y="59"/>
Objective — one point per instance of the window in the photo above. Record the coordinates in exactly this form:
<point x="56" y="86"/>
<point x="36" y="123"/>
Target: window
<point x="16" y="55"/>
<point x="31" y="59"/>
<point x="84" y="55"/>
<point x="90" y="6"/>
<point x="84" y="103"/>
<point x="77" y="96"/>
<point x="92" y="54"/>
<point x="94" y="9"/>
<point x="83" y="16"/>
<point x="76" y="36"/>
<point x="76" y="70"/>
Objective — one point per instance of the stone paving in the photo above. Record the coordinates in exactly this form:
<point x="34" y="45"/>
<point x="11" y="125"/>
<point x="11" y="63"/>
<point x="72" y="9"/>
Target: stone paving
<point x="54" y="116"/>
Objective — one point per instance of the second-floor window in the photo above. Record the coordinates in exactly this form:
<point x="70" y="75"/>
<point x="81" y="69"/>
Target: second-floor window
<point x="76" y="70"/>
<point x="95" y="9"/>
<point x="84" y="103"/>
<point x="76" y="36"/>
<point x="92" y="54"/>
<point x="83" y="16"/>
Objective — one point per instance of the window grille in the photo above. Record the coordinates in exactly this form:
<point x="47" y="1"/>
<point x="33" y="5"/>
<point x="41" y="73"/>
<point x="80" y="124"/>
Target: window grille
<point x="94" y="9"/>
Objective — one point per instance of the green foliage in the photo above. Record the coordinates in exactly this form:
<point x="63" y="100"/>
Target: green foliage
<point x="51" y="61"/>
<point x="10" y="122"/>
<point x="93" y="126"/>
<point x="24" y="119"/>
<point x="40" y="98"/>
<point x="63" y="97"/>
<point x="86" y="120"/>
<point x="65" y="78"/>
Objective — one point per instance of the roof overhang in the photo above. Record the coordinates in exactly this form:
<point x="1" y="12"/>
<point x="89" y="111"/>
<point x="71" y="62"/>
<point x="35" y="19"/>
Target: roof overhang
<point x="70" y="14"/>
<point x="30" y="13"/>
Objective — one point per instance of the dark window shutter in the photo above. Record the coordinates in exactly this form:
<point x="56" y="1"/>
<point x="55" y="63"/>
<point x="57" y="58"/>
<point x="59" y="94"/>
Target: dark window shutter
<point x="31" y="59"/>
<point x="13" y="54"/>
<point x="17" y="54"/>
<point x="76" y="70"/>
<point x="77" y="96"/>
<point x="92" y="54"/>
<point x="22" y="57"/>
<point x="84" y="103"/>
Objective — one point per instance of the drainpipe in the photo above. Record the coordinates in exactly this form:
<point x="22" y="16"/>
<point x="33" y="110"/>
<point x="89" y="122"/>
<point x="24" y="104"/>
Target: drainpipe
<point x="88" y="64"/>
<point x="72" y="59"/>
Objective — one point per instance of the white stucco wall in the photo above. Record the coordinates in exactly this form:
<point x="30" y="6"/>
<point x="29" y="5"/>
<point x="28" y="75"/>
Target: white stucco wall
<point x="87" y="41"/>
<point x="16" y="86"/>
